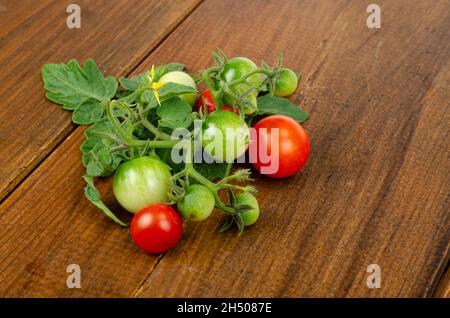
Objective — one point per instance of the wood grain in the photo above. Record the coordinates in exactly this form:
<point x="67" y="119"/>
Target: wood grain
<point x="117" y="34"/>
<point x="45" y="231"/>
<point x="376" y="189"/>
<point x="443" y="288"/>
<point x="47" y="224"/>
<point x="13" y="13"/>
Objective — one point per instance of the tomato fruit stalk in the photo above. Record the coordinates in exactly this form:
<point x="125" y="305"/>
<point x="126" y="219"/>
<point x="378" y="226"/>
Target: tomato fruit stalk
<point x="133" y="118"/>
<point x="235" y="69"/>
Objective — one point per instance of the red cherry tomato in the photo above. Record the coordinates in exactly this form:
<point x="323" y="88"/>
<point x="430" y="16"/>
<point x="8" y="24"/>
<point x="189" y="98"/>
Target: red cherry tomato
<point x="156" y="228"/>
<point x="292" y="143"/>
<point x="206" y="98"/>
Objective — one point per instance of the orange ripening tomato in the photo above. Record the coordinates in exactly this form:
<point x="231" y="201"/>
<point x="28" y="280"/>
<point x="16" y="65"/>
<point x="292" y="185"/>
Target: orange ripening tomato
<point x="292" y="144"/>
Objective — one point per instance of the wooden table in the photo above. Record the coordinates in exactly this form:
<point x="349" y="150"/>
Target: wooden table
<point x="375" y="191"/>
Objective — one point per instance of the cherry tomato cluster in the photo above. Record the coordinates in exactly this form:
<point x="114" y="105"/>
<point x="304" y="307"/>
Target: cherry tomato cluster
<point x="158" y="227"/>
<point x="241" y="113"/>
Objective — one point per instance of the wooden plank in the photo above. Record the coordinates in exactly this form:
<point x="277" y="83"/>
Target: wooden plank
<point x="14" y="13"/>
<point x="361" y="200"/>
<point x="443" y="289"/>
<point x="34" y="263"/>
<point x="47" y="224"/>
<point x="376" y="189"/>
<point x="117" y="34"/>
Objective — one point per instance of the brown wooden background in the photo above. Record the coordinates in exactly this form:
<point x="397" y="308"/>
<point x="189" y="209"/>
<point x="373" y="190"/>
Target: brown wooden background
<point x="376" y="188"/>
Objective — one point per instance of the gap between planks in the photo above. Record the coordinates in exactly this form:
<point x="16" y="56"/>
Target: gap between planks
<point x="140" y="287"/>
<point x="441" y="286"/>
<point x="71" y="128"/>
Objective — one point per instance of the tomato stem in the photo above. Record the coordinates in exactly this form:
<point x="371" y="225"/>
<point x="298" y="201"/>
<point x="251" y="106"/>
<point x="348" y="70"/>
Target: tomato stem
<point x="225" y="88"/>
<point x="229" y="166"/>
<point x="213" y="188"/>
<point x="161" y="135"/>
<point x="243" y="78"/>
<point x="153" y="143"/>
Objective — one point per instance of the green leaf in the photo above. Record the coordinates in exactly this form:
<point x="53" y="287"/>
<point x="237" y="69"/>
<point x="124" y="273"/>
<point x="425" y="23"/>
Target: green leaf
<point x="93" y="195"/>
<point x="173" y="89"/>
<point x="134" y="82"/>
<point x="143" y="133"/>
<point x="70" y="85"/>
<point x="122" y="94"/>
<point x="148" y="98"/>
<point x="87" y="112"/>
<point x="174" y="113"/>
<point x="165" y="154"/>
<point x="272" y="105"/>
<point x="197" y="79"/>
<point x="211" y="171"/>
<point x="100" y="162"/>
<point x="98" y="158"/>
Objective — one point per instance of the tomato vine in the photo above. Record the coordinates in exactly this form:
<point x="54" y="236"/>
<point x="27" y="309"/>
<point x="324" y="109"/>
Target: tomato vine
<point x="134" y="117"/>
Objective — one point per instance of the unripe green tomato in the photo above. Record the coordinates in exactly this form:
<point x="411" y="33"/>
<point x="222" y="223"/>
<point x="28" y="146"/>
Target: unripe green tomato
<point x="140" y="182"/>
<point x="182" y="78"/>
<point x="286" y="84"/>
<point x="225" y="136"/>
<point x="251" y="216"/>
<point x="234" y="69"/>
<point x="197" y="204"/>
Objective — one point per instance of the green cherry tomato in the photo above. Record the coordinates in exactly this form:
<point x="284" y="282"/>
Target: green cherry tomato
<point x="250" y="216"/>
<point x="225" y="136"/>
<point x="140" y="182"/>
<point x="286" y="84"/>
<point x="182" y="78"/>
<point x="197" y="204"/>
<point x="234" y="69"/>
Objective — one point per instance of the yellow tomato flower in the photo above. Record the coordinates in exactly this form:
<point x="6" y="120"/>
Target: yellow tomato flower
<point x="155" y="86"/>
